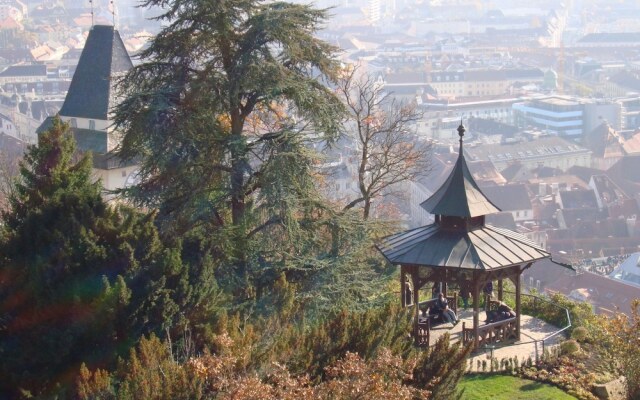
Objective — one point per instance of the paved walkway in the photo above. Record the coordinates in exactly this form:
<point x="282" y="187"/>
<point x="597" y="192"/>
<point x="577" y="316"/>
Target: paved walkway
<point x="531" y="329"/>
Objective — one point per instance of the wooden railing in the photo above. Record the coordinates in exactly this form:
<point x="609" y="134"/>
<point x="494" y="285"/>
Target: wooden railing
<point x="494" y="332"/>
<point x="422" y="333"/>
<point x="422" y="327"/>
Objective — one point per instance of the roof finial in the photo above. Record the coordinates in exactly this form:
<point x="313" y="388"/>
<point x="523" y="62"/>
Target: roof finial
<point x="91" y="2"/>
<point x="113" y="13"/>
<point x="461" y="131"/>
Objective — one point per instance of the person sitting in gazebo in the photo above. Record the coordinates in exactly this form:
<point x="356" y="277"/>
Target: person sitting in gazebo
<point x="502" y="313"/>
<point x="442" y="305"/>
<point x="465" y="294"/>
<point x="505" y="312"/>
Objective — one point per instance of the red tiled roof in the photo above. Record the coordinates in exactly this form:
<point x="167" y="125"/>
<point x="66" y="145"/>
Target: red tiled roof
<point x="10" y="23"/>
<point x="632" y="145"/>
<point x="605" y="294"/>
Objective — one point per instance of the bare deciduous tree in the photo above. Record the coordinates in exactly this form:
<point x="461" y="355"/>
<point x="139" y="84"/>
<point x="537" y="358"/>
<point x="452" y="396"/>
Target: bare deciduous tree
<point x="383" y="128"/>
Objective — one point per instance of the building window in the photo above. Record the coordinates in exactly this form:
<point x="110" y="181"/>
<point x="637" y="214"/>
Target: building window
<point x="92" y="124"/>
<point x="73" y="123"/>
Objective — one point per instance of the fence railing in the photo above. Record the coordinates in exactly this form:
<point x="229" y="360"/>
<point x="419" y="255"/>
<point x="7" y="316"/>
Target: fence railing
<point x="542" y="342"/>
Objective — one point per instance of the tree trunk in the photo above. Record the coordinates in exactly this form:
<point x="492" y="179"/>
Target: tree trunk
<point x="238" y="150"/>
<point x="367" y="208"/>
<point x="238" y="154"/>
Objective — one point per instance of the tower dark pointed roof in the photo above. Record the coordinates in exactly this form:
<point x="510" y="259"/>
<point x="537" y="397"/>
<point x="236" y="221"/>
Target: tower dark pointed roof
<point x="103" y="57"/>
<point x="460" y="196"/>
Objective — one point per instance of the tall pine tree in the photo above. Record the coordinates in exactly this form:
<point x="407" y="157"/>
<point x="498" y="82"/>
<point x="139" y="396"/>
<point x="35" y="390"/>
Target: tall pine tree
<point x="221" y="111"/>
<point x="80" y="281"/>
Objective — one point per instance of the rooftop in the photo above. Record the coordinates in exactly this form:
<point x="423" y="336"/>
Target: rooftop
<point x="629" y="271"/>
<point x="578" y="199"/>
<point x="104" y="56"/>
<point x="608" y="37"/>
<point x="607" y="190"/>
<point x="487" y="248"/>
<point x="24" y="70"/>
<point x="549" y="146"/>
<point x="559" y="101"/>
<point x="509" y="197"/>
<point x="632" y="145"/>
<point x="459" y="195"/>
<point x="605" y="294"/>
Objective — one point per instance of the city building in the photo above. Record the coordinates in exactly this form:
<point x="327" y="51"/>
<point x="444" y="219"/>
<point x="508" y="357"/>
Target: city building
<point x="610" y="39"/>
<point x="7" y="127"/>
<point x="14" y="9"/>
<point x="606" y="145"/>
<point x="482" y="82"/>
<point x="374" y="10"/>
<point x="36" y="79"/>
<point x="629" y="112"/>
<point x="442" y="116"/>
<point x="555" y="115"/>
<point x="606" y="296"/>
<point x="549" y="151"/>
<point x="512" y="198"/>
<point x="607" y="193"/>
<point x="629" y="270"/>
<point x="565" y="116"/>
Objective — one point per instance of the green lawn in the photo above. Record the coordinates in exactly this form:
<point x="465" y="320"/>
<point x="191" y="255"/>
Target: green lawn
<point x="500" y="387"/>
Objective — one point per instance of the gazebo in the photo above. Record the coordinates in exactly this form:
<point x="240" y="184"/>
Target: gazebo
<point x="460" y="248"/>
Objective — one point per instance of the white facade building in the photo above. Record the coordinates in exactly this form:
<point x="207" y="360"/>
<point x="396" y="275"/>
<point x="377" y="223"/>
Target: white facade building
<point x="374" y="10"/>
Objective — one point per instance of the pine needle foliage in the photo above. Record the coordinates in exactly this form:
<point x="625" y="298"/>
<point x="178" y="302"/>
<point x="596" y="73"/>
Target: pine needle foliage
<point x="224" y="112"/>
<point x="351" y="372"/>
<point x="219" y="112"/>
<point x="81" y="281"/>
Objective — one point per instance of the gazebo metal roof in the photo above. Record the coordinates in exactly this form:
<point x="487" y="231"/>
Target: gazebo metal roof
<point x="486" y="248"/>
<point x="459" y="195"/>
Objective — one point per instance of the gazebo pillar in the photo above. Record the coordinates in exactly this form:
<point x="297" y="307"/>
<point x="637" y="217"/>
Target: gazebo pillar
<point x="403" y="287"/>
<point x="416" y="297"/>
<point x="476" y="312"/>
<point x="500" y="289"/>
<point x="518" y="303"/>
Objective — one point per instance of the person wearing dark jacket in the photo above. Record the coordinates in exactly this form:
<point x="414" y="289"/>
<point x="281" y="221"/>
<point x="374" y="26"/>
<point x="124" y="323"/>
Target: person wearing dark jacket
<point x="442" y="304"/>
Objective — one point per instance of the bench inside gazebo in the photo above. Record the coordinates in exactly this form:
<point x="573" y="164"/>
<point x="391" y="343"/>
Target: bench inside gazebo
<point x="460" y="249"/>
